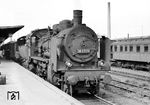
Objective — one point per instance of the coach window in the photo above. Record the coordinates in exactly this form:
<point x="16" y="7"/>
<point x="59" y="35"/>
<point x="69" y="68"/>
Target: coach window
<point x="145" y="48"/>
<point x="121" y="48"/>
<point x="126" y="48"/>
<point x="115" y="48"/>
<point x="137" y="48"/>
<point x="131" y="48"/>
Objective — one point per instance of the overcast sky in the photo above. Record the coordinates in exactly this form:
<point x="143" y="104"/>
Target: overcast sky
<point x="127" y="16"/>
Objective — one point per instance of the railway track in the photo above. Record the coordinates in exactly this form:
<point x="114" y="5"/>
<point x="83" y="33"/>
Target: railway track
<point x="122" y="99"/>
<point x="126" y="74"/>
<point x="129" y="90"/>
<point x="89" y="99"/>
<point x="105" y="101"/>
<point x="144" y="92"/>
<point x="131" y="86"/>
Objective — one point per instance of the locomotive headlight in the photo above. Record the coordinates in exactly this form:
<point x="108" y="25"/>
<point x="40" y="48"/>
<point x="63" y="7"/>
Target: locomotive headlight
<point x="68" y="63"/>
<point x="104" y="65"/>
<point x="101" y="63"/>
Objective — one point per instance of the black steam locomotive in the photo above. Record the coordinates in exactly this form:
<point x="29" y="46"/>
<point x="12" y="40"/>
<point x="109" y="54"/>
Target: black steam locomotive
<point x="66" y="55"/>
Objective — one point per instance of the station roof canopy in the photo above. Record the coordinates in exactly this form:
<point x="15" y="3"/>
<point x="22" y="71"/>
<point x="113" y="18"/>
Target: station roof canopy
<point x="5" y="31"/>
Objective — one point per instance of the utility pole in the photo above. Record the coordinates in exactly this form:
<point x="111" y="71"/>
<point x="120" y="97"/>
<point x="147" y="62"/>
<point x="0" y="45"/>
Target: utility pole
<point x="109" y="22"/>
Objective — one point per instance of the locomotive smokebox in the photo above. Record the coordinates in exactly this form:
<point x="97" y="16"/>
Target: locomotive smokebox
<point x="77" y="17"/>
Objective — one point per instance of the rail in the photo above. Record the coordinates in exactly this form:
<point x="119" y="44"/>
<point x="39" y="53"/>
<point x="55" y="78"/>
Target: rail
<point x="106" y="101"/>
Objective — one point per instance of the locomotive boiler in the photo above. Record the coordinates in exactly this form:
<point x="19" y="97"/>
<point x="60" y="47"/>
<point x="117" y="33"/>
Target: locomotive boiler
<point x="66" y="56"/>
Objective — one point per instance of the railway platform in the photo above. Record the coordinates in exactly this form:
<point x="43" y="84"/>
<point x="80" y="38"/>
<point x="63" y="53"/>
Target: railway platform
<point x="25" y="88"/>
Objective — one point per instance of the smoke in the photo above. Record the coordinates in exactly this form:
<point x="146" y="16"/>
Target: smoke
<point x="77" y="4"/>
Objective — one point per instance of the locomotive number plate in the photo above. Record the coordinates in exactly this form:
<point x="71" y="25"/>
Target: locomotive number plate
<point x="83" y="51"/>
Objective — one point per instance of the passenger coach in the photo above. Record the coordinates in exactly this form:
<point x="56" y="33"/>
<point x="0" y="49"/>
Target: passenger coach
<point x="131" y="53"/>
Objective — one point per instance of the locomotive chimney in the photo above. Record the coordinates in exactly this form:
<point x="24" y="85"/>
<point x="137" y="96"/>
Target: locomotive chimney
<point x="77" y="17"/>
